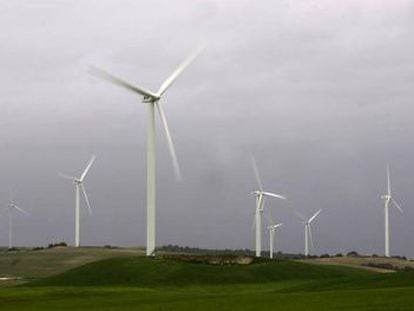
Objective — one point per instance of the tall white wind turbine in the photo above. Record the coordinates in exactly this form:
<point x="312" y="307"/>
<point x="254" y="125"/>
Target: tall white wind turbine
<point x="78" y="182"/>
<point x="260" y="195"/>
<point x="11" y="206"/>
<point x="308" y="230"/>
<point x="387" y="199"/>
<point x="153" y="101"/>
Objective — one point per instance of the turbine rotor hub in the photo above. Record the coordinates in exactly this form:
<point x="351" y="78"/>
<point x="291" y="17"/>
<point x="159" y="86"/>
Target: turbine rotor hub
<point x="150" y="99"/>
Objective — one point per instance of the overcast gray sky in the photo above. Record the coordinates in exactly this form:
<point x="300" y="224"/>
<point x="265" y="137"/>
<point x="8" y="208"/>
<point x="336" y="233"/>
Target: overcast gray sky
<point x="320" y="91"/>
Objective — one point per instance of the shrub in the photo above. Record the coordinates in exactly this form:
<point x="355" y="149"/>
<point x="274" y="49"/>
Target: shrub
<point x="61" y="244"/>
<point x="353" y="254"/>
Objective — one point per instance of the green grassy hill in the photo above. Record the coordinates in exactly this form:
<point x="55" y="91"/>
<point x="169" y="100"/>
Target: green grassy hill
<point x="143" y="271"/>
<point x="29" y="264"/>
<point x="189" y="283"/>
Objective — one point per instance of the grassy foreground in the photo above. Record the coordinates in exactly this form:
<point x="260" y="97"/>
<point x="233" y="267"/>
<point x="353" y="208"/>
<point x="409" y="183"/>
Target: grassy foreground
<point x="139" y="283"/>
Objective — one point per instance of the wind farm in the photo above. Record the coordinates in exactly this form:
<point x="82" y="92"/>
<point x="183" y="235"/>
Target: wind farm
<point x="209" y="155"/>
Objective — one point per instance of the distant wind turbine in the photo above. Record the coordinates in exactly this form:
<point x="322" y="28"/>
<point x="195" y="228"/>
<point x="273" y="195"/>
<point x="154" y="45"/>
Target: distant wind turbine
<point x="153" y="100"/>
<point x="387" y="199"/>
<point x="308" y="230"/>
<point x="260" y="195"/>
<point x="11" y="206"/>
<point x="78" y="182"/>
<point x="272" y="228"/>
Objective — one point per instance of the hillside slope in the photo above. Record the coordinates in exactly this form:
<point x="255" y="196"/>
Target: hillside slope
<point x="143" y="271"/>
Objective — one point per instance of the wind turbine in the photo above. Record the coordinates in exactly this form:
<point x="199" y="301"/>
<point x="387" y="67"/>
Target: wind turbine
<point x="272" y="228"/>
<point x="78" y="182"/>
<point x="387" y="199"/>
<point x="153" y="101"/>
<point x="11" y="206"/>
<point x="260" y="195"/>
<point x="308" y="230"/>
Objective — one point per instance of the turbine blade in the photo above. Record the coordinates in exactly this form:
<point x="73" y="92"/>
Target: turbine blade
<point x="176" y="166"/>
<point x="310" y="237"/>
<point x="86" y="199"/>
<point x="300" y="216"/>
<point x="397" y="205"/>
<point x="278" y="225"/>
<point x="274" y="195"/>
<point x="68" y="177"/>
<point x="20" y="209"/>
<point x="260" y="202"/>
<point x="388" y="180"/>
<point x="256" y="172"/>
<point x="11" y="195"/>
<point x="170" y="80"/>
<point x="314" y="216"/>
<point x="87" y="167"/>
<point x="102" y="74"/>
<point x="271" y="217"/>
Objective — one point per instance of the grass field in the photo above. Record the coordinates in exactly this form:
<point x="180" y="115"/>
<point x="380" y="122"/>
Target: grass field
<point x="138" y="283"/>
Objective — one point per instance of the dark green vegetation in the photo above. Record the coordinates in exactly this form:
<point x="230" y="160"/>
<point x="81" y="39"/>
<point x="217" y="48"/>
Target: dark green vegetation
<point x="153" y="272"/>
<point x="189" y="283"/>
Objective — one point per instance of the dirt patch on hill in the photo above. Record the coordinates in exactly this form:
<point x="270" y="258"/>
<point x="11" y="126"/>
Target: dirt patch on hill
<point x="377" y="264"/>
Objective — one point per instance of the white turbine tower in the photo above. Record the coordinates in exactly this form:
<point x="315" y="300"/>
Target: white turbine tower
<point x="260" y="195"/>
<point x="387" y="199"/>
<point x="153" y="101"/>
<point x="272" y="228"/>
<point x="308" y="230"/>
<point x="78" y="182"/>
<point x="11" y="206"/>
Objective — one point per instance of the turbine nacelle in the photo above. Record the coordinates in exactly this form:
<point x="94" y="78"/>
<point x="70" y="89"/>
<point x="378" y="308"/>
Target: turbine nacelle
<point x="257" y="193"/>
<point x="12" y="206"/>
<point x="151" y="99"/>
<point x="274" y="227"/>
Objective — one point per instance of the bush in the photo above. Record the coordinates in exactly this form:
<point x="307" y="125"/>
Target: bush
<point x="353" y="254"/>
<point x="61" y="244"/>
<point x="324" y="256"/>
<point x="38" y="248"/>
<point x="339" y="255"/>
